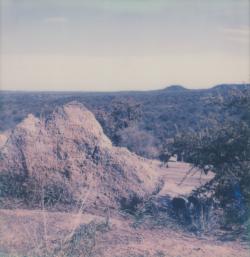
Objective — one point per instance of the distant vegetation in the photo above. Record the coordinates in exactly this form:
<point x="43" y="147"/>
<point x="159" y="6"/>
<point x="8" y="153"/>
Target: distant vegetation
<point x="144" y="122"/>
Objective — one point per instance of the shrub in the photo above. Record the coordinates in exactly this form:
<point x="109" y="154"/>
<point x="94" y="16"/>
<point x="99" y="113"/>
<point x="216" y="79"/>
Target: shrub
<point x="131" y="204"/>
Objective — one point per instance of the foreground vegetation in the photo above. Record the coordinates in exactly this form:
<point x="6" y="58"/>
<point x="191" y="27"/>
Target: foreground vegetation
<point x="225" y="151"/>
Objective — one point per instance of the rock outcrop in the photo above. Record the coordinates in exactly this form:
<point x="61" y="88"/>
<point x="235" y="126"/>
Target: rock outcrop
<point x="66" y="158"/>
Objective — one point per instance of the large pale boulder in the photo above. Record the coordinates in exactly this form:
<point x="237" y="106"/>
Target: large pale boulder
<point x="68" y="152"/>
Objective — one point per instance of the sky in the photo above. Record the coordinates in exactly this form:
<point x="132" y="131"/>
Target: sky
<point x="111" y="45"/>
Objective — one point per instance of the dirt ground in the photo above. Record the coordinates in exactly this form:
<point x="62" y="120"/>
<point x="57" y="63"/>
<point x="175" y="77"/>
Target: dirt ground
<point x="28" y="232"/>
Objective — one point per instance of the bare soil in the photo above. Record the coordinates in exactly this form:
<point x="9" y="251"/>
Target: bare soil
<point x="30" y="232"/>
<point x="22" y="234"/>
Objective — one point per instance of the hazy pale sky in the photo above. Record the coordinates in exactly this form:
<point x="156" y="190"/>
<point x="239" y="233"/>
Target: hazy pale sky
<point x="123" y="44"/>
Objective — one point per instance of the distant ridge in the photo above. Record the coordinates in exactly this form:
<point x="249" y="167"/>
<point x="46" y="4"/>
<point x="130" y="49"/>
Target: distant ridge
<point x="231" y="86"/>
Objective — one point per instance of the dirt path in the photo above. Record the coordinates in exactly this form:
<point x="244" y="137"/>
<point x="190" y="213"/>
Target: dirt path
<point x="180" y="179"/>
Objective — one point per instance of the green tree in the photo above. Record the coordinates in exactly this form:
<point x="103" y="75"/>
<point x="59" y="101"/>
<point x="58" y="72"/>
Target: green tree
<point x="226" y="152"/>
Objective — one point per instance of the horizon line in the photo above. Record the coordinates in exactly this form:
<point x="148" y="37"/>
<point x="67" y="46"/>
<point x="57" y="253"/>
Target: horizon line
<point x="123" y="91"/>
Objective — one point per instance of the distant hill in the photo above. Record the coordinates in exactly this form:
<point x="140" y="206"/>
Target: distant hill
<point x="143" y="121"/>
<point x="175" y="88"/>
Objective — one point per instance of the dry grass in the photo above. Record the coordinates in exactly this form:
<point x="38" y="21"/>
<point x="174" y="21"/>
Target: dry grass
<point x="21" y="234"/>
